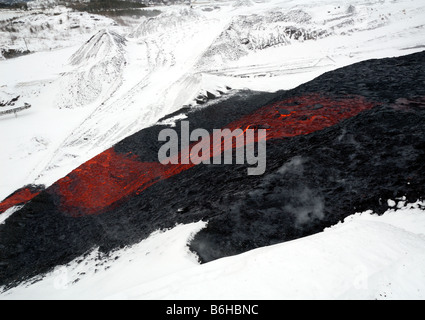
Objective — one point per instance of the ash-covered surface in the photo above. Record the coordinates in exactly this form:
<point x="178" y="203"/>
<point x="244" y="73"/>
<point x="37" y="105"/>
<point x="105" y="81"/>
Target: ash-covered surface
<point x="312" y="180"/>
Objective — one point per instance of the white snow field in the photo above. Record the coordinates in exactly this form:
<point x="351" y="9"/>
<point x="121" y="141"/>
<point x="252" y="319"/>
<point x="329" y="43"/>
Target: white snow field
<point x="365" y="257"/>
<point x="92" y="82"/>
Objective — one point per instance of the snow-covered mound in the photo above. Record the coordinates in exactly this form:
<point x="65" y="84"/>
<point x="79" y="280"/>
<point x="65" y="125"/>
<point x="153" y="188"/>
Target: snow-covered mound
<point x="260" y="31"/>
<point x="99" y="65"/>
<point x="7" y="99"/>
<point x="165" y="22"/>
<point x="48" y="30"/>
<point x="104" y="45"/>
<point x="257" y="39"/>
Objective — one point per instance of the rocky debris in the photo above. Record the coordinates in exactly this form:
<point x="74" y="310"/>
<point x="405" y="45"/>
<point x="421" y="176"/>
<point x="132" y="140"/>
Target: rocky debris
<point x="351" y="9"/>
<point x="13" y="53"/>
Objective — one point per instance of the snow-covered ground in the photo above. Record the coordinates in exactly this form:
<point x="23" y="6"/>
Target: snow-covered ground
<point x="49" y="29"/>
<point x="92" y="82"/>
<point x="364" y="257"/>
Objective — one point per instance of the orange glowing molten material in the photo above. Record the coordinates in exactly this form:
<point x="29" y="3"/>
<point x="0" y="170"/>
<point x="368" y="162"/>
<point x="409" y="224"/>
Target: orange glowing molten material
<point x="19" y="197"/>
<point x="303" y="115"/>
<point x="108" y="178"/>
<point x="111" y="177"/>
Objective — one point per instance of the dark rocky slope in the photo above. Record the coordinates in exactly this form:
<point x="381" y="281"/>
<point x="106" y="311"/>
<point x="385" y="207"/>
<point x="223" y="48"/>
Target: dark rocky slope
<point x="342" y="143"/>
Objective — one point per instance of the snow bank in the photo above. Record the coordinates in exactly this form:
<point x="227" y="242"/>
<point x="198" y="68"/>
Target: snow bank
<point x="365" y="257"/>
<point x="149" y="260"/>
<point x="8" y="213"/>
<point x="103" y="45"/>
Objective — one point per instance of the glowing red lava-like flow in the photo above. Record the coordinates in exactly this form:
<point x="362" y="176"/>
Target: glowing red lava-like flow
<point x="19" y="197"/>
<point x="303" y="115"/>
<point x="111" y="177"/>
<point x="107" y="178"/>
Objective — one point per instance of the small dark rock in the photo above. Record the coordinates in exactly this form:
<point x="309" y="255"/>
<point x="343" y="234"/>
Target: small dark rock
<point x="210" y="95"/>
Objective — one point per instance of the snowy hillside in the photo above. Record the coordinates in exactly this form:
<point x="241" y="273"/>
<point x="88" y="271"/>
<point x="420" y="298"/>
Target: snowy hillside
<point x="81" y="86"/>
<point x="47" y="30"/>
<point x="92" y="81"/>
